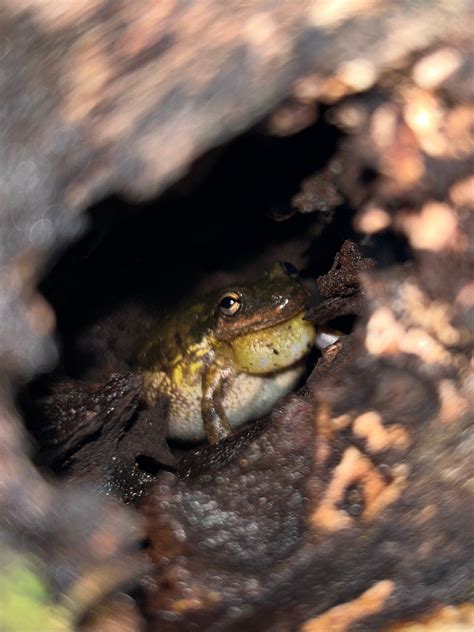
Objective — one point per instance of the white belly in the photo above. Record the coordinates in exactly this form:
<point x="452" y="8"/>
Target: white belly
<point x="246" y="398"/>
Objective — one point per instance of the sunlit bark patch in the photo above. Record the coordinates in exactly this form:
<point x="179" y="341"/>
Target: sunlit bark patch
<point x="340" y="618"/>
<point x="355" y="468"/>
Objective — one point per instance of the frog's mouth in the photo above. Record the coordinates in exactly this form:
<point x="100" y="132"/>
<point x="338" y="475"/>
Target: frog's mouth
<point x="276" y="347"/>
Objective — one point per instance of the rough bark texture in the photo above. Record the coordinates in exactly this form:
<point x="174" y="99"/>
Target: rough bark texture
<point x="348" y="509"/>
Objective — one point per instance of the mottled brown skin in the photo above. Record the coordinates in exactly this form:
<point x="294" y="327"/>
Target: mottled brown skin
<point x="221" y="367"/>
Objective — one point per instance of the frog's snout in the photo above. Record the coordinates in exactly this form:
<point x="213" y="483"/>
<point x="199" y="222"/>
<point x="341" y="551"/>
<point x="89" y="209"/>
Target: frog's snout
<point x="281" y="302"/>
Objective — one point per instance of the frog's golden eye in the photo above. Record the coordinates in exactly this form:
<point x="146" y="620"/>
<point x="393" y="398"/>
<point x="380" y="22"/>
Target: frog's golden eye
<point x="230" y="303"/>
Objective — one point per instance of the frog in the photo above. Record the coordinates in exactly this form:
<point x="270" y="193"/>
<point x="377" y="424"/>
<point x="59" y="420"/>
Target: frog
<point x="227" y="358"/>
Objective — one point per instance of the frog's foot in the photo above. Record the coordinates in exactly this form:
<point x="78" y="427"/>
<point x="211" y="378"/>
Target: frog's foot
<point x="216" y="424"/>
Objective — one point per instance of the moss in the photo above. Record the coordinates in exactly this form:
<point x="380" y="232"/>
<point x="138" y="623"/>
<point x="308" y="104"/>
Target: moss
<point x="24" y="599"/>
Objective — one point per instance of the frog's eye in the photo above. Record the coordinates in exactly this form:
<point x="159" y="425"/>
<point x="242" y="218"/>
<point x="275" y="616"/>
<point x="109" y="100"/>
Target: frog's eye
<point x="289" y="268"/>
<point x="230" y="303"/>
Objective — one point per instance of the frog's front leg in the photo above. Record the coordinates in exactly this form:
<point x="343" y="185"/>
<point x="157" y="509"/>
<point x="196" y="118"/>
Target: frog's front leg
<point x="216" y="424"/>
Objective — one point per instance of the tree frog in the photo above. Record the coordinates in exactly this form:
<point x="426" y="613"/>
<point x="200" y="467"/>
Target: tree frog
<point x="227" y="358"/>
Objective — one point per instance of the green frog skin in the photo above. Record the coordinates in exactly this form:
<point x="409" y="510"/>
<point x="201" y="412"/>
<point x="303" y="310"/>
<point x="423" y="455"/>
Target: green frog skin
<point x="226" y="359"/>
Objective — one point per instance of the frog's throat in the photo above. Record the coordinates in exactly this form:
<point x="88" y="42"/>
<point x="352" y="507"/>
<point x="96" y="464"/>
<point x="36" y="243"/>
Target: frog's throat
<point x="273" y="348"/>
